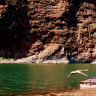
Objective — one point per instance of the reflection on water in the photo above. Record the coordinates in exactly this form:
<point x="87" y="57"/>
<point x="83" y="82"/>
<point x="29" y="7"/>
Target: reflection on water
<point x="22" y="78"/>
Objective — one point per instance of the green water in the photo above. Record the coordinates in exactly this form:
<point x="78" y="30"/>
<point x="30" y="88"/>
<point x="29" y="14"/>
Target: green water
<point x="23" y="78"/>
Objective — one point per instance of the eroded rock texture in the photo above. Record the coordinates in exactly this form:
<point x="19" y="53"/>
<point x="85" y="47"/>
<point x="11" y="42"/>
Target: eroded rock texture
<point x="51" y="28"/>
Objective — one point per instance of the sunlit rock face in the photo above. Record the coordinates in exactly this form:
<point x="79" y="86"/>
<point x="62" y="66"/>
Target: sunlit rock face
<point x="28" y="27"/>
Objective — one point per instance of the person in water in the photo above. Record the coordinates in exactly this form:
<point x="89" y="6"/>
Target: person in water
<point x="78" y="72"/>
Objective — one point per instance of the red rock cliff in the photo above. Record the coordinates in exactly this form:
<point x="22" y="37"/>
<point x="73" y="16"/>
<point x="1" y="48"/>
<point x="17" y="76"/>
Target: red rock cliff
<point x="53" y="28"/>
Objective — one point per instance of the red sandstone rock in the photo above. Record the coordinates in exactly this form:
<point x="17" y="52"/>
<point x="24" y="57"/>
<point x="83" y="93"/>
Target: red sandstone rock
<point x="30" y="27"/>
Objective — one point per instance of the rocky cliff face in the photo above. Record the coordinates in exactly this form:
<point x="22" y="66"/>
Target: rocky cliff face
<point x="49" y="29"/>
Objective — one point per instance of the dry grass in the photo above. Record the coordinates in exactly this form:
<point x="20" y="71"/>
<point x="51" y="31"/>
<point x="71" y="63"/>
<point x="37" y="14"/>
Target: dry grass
<point x="83" y="92"/>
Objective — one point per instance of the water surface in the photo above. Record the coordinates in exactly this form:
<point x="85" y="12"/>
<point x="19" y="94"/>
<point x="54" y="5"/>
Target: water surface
<point x="23" y="78"/>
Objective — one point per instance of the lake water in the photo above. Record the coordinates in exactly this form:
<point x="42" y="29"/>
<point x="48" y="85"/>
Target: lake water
<point x="23" y="78"/>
